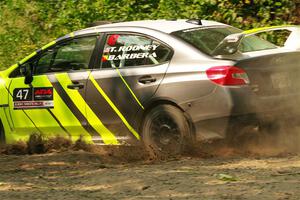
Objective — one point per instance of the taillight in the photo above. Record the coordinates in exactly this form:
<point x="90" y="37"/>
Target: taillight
<point x="227" y="75"/>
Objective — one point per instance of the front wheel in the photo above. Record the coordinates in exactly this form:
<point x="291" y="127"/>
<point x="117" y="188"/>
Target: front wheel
<point x="166" y="132"/>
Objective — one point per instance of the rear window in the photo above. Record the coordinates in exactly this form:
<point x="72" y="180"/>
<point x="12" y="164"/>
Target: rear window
<point x="208" y="38"/>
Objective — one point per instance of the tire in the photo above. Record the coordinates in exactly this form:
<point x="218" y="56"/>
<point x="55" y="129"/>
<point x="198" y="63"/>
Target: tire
<point x="2" y="134"/>
<point x="166" y="132"/>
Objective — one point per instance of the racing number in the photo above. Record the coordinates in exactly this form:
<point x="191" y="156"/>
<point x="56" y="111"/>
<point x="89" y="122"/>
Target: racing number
<point x="22" y="94"/>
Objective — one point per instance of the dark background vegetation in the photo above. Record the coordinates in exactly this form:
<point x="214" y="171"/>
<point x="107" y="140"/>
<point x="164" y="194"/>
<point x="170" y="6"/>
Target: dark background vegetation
<point x="26" y="25"/>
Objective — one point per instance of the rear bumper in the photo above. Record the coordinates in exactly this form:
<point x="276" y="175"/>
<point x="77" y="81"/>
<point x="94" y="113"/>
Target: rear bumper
<point x="215" y="115"/>
<point x="220" y="128"/>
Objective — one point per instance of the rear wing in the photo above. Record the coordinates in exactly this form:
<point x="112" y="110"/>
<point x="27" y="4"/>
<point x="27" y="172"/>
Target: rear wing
<point x="293" y="40"/>
<point x="230" y="44"/>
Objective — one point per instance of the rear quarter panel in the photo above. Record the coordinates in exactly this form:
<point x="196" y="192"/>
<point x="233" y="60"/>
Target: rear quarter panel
<point x="186" y="84"/>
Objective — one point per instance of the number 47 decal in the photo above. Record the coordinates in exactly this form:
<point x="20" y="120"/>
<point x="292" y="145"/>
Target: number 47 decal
<point x="22" y="94"/>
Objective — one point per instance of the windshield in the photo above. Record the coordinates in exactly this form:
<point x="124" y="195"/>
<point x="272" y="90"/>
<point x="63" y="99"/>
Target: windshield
<point x="208" y="38"/>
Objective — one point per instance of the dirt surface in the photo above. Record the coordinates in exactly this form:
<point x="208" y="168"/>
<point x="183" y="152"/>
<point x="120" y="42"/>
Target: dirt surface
<point x="83" y="175"/>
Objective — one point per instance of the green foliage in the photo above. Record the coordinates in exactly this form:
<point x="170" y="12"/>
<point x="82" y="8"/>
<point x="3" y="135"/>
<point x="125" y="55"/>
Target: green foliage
<point x="28" y="24"/>
<point x="276" y="37"/>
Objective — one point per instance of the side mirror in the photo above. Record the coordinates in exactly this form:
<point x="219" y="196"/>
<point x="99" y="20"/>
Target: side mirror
<point x="26" y="71"/>
<point x="28" y="79"/>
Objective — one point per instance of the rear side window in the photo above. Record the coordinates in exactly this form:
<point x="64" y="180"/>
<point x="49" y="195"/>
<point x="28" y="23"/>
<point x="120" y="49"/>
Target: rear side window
<point x="207" y="39"/>
<point x="129" y="50"/>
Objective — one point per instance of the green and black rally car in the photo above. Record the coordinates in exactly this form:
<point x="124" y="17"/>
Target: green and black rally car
<point x="163" y="82"/>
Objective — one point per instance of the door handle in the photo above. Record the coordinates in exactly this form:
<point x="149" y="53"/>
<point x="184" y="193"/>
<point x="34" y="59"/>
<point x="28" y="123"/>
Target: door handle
<point x="75" y="86"/>
<point x="147" y="79"/>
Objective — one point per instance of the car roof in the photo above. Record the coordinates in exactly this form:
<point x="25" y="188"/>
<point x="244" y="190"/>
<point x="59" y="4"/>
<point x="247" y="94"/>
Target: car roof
<point x="167" y="26"/>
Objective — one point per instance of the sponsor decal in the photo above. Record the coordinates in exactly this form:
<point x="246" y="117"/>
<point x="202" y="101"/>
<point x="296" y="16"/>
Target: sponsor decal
<point x="43" y="94"/>
<point x="130" y="52"/>
<point x="131" y="56"/>
<point x="30" y="98"/>
<point x="33" y="104"/>
<point x="149" y="47"/>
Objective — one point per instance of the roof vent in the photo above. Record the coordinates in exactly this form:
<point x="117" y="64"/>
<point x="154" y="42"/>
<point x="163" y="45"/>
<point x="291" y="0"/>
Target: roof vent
<point x="194" y="21"/>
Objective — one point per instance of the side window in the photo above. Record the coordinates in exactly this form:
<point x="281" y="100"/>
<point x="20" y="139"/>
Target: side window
<point x="126" y="50"/>
<point x="71" y="55"/>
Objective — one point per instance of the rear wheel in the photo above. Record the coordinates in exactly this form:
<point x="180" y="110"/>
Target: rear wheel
<point x="166" y="132"/>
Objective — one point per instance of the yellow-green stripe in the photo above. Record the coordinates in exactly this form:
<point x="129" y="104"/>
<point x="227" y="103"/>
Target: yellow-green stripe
<point x="48" y="45"/>
<point x="67" y="119"/>
<point x="257" y="30"/>
<point x="27" y="58"/>
<point x="107" y="136"/>
<point x="113" y="106"/>
<point x="132" y="93"/>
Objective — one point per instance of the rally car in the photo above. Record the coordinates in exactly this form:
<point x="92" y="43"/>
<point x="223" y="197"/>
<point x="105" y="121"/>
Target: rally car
<point x="163" y="82"/>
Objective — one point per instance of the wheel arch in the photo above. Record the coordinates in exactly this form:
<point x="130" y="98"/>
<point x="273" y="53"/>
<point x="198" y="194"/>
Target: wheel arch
<point x="163" y="101"/>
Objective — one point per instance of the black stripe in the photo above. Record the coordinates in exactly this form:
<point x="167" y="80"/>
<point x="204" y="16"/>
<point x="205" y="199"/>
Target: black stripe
<point x="51" y="113"/>
<point x="119" y="95"/>
<point x="82" y="119"/>
<point x="99" y="104"/>
<point x="59" y="89"/>
<point x="104" y="111"/>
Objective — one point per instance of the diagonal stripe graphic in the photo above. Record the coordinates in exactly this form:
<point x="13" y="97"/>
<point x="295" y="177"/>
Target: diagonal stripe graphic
<point x="79" y="118"/>
<point x="128" y="87"/>
<point x="113" y="106"/>
<point x="82" y="106"/>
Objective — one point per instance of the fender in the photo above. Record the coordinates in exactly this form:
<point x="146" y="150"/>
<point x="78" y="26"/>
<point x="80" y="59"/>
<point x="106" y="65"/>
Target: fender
<point x="137" y="122"/>
<point x="4" y="107"/>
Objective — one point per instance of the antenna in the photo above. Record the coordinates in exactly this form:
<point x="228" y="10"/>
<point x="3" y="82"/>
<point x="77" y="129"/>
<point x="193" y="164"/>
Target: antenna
<point x="194" y="21"/>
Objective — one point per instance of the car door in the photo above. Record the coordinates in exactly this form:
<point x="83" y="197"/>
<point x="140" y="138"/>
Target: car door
<point x="54" y="103"/>
<point x="130" y="71"/>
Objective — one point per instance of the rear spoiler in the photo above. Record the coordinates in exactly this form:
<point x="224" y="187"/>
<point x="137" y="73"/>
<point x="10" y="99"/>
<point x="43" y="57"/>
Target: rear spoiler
<point x="230" y="44"/>
<point x="293" y="40"/>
